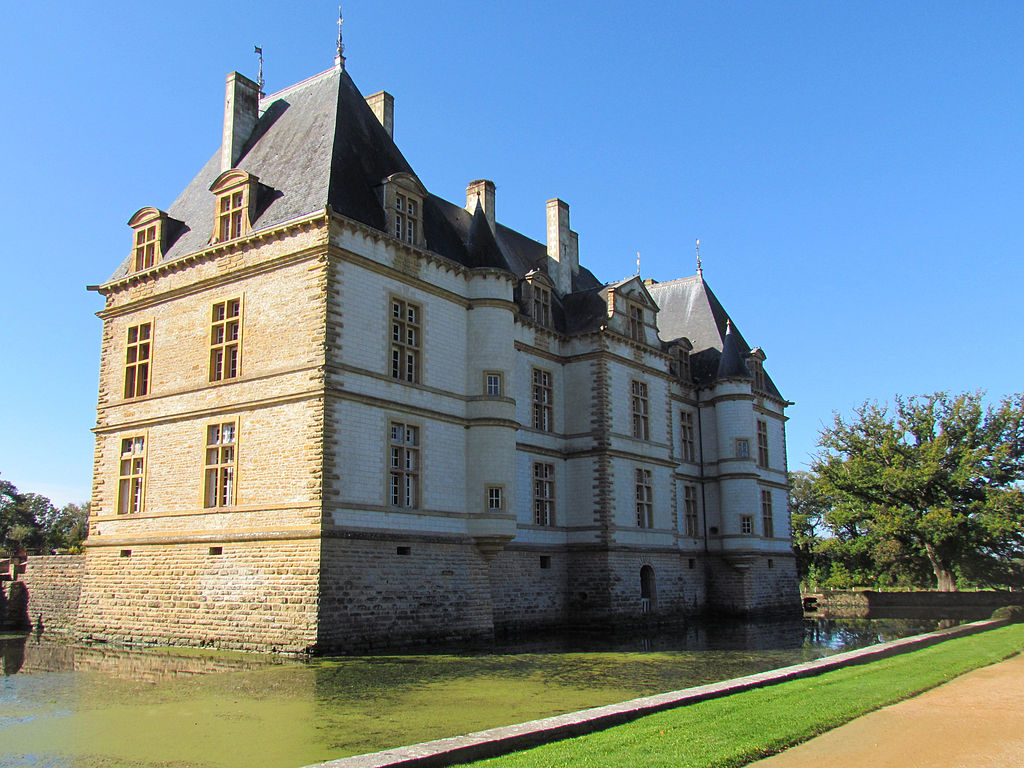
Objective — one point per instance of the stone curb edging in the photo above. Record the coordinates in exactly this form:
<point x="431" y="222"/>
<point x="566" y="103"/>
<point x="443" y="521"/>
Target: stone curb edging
<point x="511" y="738"/>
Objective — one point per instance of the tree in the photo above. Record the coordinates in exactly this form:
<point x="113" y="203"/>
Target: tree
<point x="930" y="486"/>
<point x="18" y="527"/>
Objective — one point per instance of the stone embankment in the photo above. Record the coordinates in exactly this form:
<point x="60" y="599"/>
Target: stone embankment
<point x="44" y="596"/>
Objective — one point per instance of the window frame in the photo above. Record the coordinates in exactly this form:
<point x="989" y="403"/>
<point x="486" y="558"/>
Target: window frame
<point x="148" y="228"/>
<point x="742" y="448"/>
<point x="405" y="351"/>
<point x="500" y="390"/>
<point x="542" y="400"/>
<point x="220" y="465"/>
<point x="767" y="514"/>
<point x="228" y="347"/>
<point x="235" y="191"/>
<point x="404" y="477"/>
<point x="691" y="515"/>
<point x="138" y="355"/>
<point x="687" y="437"/>
<point x="543" y="483"/>
<point x="641" y="409"/>
<point x="131" y="484"/>
<point x="494" y="498"/>
<point x="746" y="525"/>
<point x="644" y="497"/>
<point x="763" y="456"/>
<point x="635" y="321"/>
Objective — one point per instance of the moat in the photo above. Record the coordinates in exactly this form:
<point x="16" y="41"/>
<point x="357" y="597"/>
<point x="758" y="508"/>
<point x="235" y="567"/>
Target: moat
<point x="93" y="705"/>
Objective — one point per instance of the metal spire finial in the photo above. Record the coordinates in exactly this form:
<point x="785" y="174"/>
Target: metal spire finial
<point x="700" y="272"/>
<point x="638" y="263"/>
<point x="339" y="59"/>
<point x="259" y="78"/>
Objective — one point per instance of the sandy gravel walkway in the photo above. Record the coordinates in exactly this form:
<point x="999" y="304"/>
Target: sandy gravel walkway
<point x="975" y="721"/>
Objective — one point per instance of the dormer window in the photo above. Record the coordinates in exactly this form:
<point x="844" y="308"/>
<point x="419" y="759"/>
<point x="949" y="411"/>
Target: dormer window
<point x="755" y="362"/>
<point x="680" y="365"/>
<point x="636" y="322"/>
<point x="147" y="248"/>
<point x="542" y="306"/>
<point x="236" y="193"/>
<point x="407" y="220"/>
<point x="536" y="298"/>
<point x="403" y="203"/>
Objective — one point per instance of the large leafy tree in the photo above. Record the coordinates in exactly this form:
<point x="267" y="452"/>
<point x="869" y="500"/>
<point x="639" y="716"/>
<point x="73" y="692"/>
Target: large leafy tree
<point x="931" y="484"/>
<point x="29" y="521"/>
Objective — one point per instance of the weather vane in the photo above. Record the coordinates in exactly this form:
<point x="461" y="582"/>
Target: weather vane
<point x="259" y="78"/>
<point x="638" y="263"/>
<point x="700" y="272"/>
<point x="340" y="58"/>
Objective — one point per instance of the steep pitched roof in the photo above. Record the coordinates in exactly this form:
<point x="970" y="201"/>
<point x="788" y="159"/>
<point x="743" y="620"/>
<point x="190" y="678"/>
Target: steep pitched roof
<point x="690" y="308"/>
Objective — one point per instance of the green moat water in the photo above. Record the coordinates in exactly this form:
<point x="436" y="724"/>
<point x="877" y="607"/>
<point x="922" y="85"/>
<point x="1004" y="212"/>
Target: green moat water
<point x="85" y="706"/>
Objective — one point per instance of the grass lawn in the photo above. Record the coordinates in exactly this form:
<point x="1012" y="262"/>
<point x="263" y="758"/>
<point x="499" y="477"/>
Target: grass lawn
<point x="744" y="727"/>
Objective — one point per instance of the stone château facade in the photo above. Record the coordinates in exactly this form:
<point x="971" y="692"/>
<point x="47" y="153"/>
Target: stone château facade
<point x="338" y="411"/>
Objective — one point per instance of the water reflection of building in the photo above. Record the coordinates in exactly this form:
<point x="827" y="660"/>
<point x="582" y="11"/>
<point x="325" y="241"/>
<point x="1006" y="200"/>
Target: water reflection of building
<point x="338" y="411"/>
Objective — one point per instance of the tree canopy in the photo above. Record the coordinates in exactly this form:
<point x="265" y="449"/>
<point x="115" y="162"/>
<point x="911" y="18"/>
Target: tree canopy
<point x="30" y="522"/>
<point x="925" y="493"/>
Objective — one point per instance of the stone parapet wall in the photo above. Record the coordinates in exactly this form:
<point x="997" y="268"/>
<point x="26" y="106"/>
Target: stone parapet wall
<point x="251" y="595"/>
<point x="54" y="583"/>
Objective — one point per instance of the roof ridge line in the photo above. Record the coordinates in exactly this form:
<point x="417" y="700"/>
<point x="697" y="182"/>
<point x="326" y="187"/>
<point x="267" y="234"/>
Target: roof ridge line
<point x="300" y="84"/>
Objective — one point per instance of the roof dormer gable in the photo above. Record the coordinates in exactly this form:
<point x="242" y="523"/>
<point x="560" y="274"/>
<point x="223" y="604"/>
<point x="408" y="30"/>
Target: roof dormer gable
<point x="631" y="310"/>
<point x="149" y="227"/>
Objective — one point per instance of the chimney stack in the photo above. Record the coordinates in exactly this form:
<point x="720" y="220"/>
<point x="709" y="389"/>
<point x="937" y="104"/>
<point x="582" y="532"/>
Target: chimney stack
<point x="483" y="190"/>
<point x="241" y="112"/>
<point x="563" y="246"/>
<point x="383" y="105"/>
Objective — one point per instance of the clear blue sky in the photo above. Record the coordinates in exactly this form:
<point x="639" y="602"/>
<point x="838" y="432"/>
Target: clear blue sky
<point x="854" y="170"/>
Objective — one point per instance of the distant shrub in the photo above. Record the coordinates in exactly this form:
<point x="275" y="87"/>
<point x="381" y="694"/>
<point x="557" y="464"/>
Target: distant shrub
<point x="1012" y="613"/>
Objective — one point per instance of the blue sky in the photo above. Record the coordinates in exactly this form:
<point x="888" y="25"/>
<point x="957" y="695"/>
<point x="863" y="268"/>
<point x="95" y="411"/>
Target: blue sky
<point x="855" y="171"/>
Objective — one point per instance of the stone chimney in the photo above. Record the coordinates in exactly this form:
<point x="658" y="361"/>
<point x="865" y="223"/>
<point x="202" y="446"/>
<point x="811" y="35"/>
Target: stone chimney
<point x="241" y="111"/>
<point x="483" y="190"/>
<point x="383" y="105"/>
<point x="563" y="246"/>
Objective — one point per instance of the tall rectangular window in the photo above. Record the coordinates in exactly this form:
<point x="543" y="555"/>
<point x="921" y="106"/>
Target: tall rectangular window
<point x="542" y="305"/>
<point x="404" y="469"/>
<point x="746" y="524"/>
<point x="690" y="511"/>
<point x="543" y="401"/>
<point x="145" y="247"/>
<point x="762" y="444"/>
<point x="644" y="499"/>
<point x="767" y="518"/>
<point x="641" y="424"/>
<point x="136" y="365"/>
<point x="229" y="215"/>
<point x="225" y="338"/>
<point x="406" y="218"/>
<point x="131" y="475"/>
<point x="687" y="441"/>
<point x="636" y="322"/>
<point x="543" y="493"/>
<point x="492" y="384"/>
<point x="405" y="340"/>
<point x="221" y="459"/>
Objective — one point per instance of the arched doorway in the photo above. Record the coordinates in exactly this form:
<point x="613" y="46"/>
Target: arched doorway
<point x="648" y="590"/>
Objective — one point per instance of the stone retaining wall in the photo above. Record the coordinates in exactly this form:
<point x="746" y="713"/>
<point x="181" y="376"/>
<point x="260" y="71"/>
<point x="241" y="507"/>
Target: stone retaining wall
<point x="54" y="583"/>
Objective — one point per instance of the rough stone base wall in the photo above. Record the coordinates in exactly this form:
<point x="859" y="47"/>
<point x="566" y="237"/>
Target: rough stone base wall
<point x="54" y="583"/>
<point x="756" y="588"/>
<point x="372" y="596"/>
<point x="259" y="596"/>
<point x="527" y="595"/>
<point x="678" y="589"/>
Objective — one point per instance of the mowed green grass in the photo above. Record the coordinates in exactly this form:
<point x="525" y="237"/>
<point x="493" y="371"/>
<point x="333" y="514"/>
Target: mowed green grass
<point x="738" y="729"/>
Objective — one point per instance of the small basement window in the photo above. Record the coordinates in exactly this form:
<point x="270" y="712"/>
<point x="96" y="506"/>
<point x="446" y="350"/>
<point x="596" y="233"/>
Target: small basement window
<point x="216" y="550"/>
<point x="404" y="550"/>
<point x="545" y="561"/>
<point x="126" y="553"/>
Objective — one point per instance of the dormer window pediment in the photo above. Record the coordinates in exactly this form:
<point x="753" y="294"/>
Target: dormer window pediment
<point x="236" y="200"/>
<point x="149" y="226"/>
<point x="755" y="362"/>
<point x="680" y="365"/>
<point x="403" y="206"/>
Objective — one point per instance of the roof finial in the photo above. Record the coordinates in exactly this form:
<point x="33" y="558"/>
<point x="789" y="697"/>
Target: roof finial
<point x="339" y="59"/>
<point x="638" y="263"/>
<point x="700" y="272"/>
<point x="259" y="78"/>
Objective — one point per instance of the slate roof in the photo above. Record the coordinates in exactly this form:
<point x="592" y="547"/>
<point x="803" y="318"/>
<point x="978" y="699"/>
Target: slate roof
<point x="689" y="308"/>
